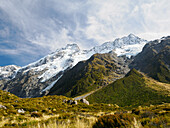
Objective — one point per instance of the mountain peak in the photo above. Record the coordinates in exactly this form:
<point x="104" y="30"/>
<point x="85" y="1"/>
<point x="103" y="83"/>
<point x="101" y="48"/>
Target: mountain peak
<point x="132" y="36"/>
<point x="133" y="71"/>
<point x="72" y="46"/>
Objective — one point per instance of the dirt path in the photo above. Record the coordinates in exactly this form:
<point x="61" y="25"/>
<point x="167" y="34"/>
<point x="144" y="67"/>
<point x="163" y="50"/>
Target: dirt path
<point x="85" y="95"/>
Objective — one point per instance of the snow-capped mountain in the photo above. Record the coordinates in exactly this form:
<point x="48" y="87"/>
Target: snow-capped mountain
<point x="43" y="73"/>
<point x="129" y="46"/>
<point x="69" y="56"/>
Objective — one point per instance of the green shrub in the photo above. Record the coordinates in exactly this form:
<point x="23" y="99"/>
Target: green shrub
<point x="36" y="114"/>
<point x="147" y="114"/>
<point x="136" y="111"/>
<point x="113" y="121"/>
<point x="11" y="124"/>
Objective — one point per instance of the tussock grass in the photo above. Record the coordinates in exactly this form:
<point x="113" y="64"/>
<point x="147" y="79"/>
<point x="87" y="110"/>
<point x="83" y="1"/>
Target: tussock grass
<point x="161" y="87"/>
<point x="76" y="123"/>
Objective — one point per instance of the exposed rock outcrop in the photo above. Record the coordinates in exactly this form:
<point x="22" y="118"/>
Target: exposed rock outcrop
<point x="84" y="101"/>
<point x="2" y="106"/>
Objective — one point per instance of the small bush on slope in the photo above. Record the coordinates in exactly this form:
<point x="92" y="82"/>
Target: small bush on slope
<point x="114" y="121"/>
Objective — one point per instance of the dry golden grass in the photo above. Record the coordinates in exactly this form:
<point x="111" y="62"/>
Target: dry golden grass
<point x="3" y="121"/>
<point x="156" y="85"/>
<point x="162" y="87"/>
<point x="76" y="123"/>
<point x="29" y="119"/>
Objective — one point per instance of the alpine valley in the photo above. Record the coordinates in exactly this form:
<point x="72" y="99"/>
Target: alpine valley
<point x="126" y="83"/>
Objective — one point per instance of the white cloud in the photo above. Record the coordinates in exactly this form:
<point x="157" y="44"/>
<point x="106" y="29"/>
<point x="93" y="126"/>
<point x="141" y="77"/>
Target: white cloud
<point x="117" y="18"/>
<point x="106" y="20"/>
<point x="44" y="21"/>
<point x="47" y="23"/>
<point x="4" y="32"/>
<point x="9" y="51"/>
<point x="152" y="36"/>
<point x="51" y="24"/>
<point x="56" y="40"/>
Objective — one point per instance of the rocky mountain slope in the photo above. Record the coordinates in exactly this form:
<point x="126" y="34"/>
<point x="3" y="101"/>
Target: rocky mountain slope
<point x="133" y="90"/>
<point x="8" y="72"/>
<point x="154" y="60"/>
<point x="36" y="78"/>
<point x="96" y="72"/>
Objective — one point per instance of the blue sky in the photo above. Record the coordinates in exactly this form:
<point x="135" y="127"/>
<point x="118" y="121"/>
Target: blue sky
<point x="30" y="29"/>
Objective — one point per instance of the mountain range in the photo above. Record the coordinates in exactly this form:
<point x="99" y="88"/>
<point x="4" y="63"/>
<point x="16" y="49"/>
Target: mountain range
<point x="71" y="71"/>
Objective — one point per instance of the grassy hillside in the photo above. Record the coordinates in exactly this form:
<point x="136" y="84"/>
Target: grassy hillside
<point x="99" y="70"/>
<point x="29" y="112"/>
<point x="52" y="112"/>
<point x="132" y="90"/>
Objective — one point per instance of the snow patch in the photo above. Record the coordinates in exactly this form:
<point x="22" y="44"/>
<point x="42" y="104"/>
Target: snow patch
<point x="51" y="85"/>
<point x="130" y="50"/>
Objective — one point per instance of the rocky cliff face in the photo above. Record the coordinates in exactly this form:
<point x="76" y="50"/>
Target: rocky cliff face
<point x="154" y="60"/>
